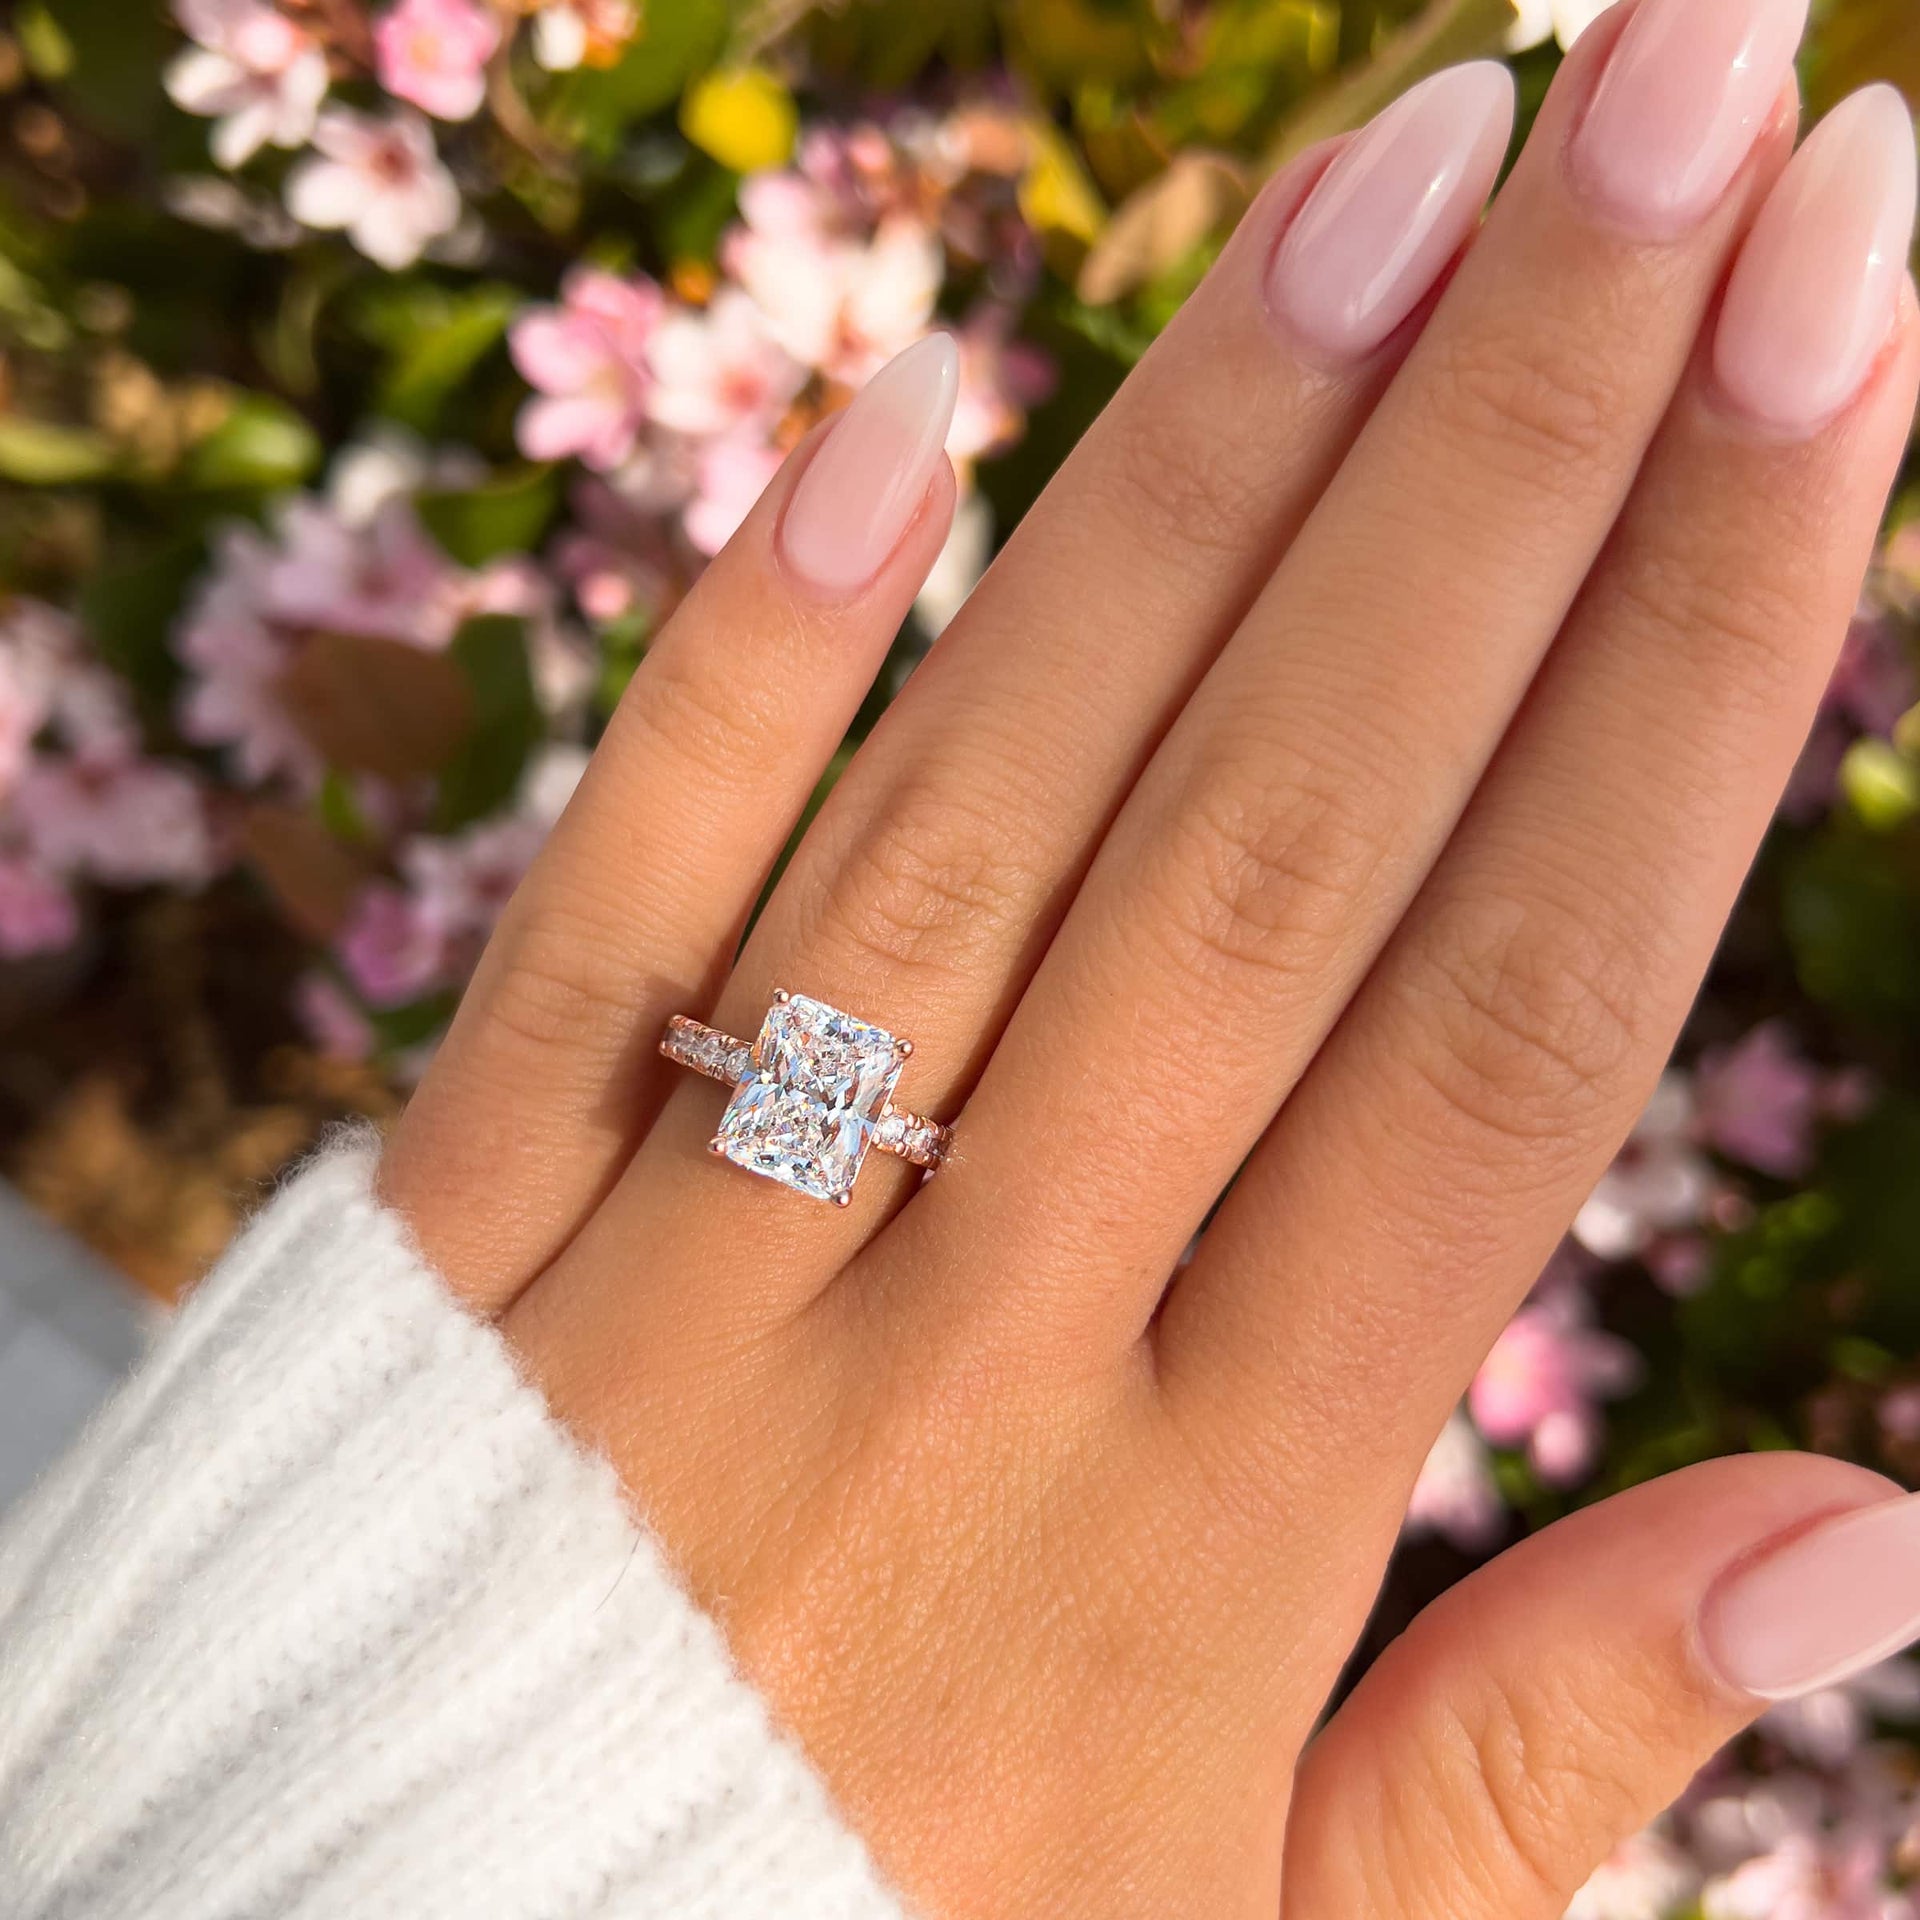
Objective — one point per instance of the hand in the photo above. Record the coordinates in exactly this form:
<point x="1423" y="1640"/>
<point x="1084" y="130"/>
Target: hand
<point x="1338" y="783"/>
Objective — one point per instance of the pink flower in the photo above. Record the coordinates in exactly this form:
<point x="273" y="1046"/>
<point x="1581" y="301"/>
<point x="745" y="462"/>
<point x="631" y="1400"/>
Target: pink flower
<point x="1000" y="379"/>
<point x="1756" y="1101"/>
<point x="720" y="371"/>
<point x="393" y="951"/>
<point x="614" y="556"/>
<point x="37" y="913"/>
<point x="39" y="649"/>
<point x="434" y="53"/>
<point x="380" y="180"/>
<point x="235" y="655"/>
<point x="1455" y="1496"/>
<point x="461" y="884"/>
<point x="331" y="1019"/>
<point x="1539" y="1385"/>
<point x="1658" y="1183"/>
<point x="587" y="359"/>
<point x="729" y="476"/>
<point x="125" y="822"/>
<point x="256" y="72"/>
<point x="386" y="577"/>
<point x="833" y="297"/>
<point x="1811" y="1877"/>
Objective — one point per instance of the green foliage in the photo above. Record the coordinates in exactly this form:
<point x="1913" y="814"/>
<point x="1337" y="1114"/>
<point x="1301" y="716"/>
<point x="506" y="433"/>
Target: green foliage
<point x="491" y="650"/>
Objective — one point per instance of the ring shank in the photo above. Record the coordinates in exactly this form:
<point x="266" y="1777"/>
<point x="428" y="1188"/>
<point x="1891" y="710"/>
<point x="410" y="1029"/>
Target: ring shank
<point x="720" y="1056"/>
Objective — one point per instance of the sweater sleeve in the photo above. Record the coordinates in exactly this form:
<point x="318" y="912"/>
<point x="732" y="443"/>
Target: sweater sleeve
<point x="327" y="1617"/>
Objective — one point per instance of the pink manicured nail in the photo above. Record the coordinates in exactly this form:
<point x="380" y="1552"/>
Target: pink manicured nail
<point x="1817" y="285"/>
<point x="871" y="472"/>
<point x="1392" y="210"/>
<point x="1837" y="1599"/>
<point x="1683" y="97"/>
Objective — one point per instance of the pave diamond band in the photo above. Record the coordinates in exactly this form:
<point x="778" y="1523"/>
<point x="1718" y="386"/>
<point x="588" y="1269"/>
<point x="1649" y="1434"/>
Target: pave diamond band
<point x="812" y="1095"/>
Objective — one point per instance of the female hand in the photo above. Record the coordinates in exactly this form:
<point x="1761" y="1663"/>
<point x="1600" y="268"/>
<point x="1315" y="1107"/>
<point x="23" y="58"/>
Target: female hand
<point x="1339" y="780"/>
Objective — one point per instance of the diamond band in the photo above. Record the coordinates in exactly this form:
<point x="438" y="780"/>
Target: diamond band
<point x="812" y="1095"/>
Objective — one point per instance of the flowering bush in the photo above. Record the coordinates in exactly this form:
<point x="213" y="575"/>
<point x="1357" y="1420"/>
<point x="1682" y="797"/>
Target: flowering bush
<point x="374" y="379"/>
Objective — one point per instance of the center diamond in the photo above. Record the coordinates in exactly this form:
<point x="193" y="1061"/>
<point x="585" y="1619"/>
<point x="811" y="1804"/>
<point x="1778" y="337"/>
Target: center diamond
<point x="806" y="1112"/>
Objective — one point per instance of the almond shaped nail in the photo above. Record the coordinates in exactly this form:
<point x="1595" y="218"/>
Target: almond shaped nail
<point x="1833" y="1601"/>
<point x="1816" y="289"/>
<point x="1392" y="210"/>
<point x="1683" y="97"/>
<point x="866" y="481"/>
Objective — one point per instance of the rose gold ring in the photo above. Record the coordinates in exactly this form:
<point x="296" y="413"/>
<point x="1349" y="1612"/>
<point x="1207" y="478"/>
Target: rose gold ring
<point x="811" y="1095"/>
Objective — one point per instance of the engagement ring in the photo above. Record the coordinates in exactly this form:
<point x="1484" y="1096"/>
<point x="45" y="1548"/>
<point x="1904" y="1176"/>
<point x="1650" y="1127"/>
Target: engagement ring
<point x="811" y="1095"/>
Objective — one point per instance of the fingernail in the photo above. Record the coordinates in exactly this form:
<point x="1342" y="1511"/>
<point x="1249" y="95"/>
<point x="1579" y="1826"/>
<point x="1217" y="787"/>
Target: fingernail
<point x="1833" y="1601"/>
<point x="1392" y="210"/>
<point x="1684" y="95"/>
<point x="1817" y="285"/>
<point x="871" y="472"/>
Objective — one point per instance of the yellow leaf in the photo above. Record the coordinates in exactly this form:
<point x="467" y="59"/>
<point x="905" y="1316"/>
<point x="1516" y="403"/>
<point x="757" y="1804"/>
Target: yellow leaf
<point x="743" y="116"/>
<point x="1055" y="194"/>
<point x="1882" y="784"/>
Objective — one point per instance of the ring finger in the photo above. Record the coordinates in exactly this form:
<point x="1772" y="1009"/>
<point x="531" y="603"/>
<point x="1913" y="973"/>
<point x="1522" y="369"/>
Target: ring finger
<point x="930" y="883"/>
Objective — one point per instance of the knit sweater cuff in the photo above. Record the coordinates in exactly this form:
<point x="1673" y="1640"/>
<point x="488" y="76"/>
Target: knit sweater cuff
<point x="327" y="1617"/>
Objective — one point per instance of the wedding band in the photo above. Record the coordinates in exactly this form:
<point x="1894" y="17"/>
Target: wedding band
<point x="812" y="1094"/>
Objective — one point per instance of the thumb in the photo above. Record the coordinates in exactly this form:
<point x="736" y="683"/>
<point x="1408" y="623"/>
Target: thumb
<point x="1557" y="1700"/>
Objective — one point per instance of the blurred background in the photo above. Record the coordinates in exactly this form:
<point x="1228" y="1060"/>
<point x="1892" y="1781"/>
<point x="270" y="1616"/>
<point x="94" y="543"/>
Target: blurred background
<point x="373" y="382"/>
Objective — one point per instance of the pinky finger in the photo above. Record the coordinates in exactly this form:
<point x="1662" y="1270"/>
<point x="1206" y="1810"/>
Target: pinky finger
<point x="1552" y="1704"/>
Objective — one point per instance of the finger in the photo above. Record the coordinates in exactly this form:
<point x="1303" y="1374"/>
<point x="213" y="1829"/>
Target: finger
<point x="1507" y="1039"/>
<point x="926" y="889"/>
<point x="633" y="910"/>
<point x="1266" y="854"/>
<point x="1554" y="1702"/>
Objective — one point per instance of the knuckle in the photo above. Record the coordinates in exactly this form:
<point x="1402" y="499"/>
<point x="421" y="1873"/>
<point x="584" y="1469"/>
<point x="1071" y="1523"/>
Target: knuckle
<point x="1750" y="633"/>
<point x="560" y="987"/>
<point x="1533" y="1023"/>
<point x="684" y="716"/>
<point x="1529" y="1780"/>
<point x="1267" y="870"/>
<point x="1529" y="401"/>
<point x="930" y="881"/>
<point x="1168" y="486"/>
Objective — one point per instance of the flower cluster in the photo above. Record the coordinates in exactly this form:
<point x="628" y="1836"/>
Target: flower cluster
<point x="80" y="799"/>
<point x="835" y="265"/>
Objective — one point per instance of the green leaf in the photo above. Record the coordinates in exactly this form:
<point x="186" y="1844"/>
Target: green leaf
<point x="434" y="340"/>
<point x="491" y="650"/>
<point x="261" y="445"/>
<point x="128" y="608"/>
<point x="41" y="453"/>
<point x="1444" y="32"/>
<point x="398" y="1028"/>
<point x="506" y="515"/>
<point x="118" y="52"/>
<point x="1852" y="920"/>
<point x="48" y="51"/>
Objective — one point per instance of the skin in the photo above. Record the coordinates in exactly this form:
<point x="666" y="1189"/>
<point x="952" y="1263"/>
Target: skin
<point x="1047" y="1549"/>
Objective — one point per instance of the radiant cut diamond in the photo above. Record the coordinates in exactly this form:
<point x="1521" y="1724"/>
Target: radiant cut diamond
<point x="805" y="1114"/>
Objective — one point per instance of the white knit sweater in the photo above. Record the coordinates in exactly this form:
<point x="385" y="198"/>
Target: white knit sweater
<point x="327" y="1617"/>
